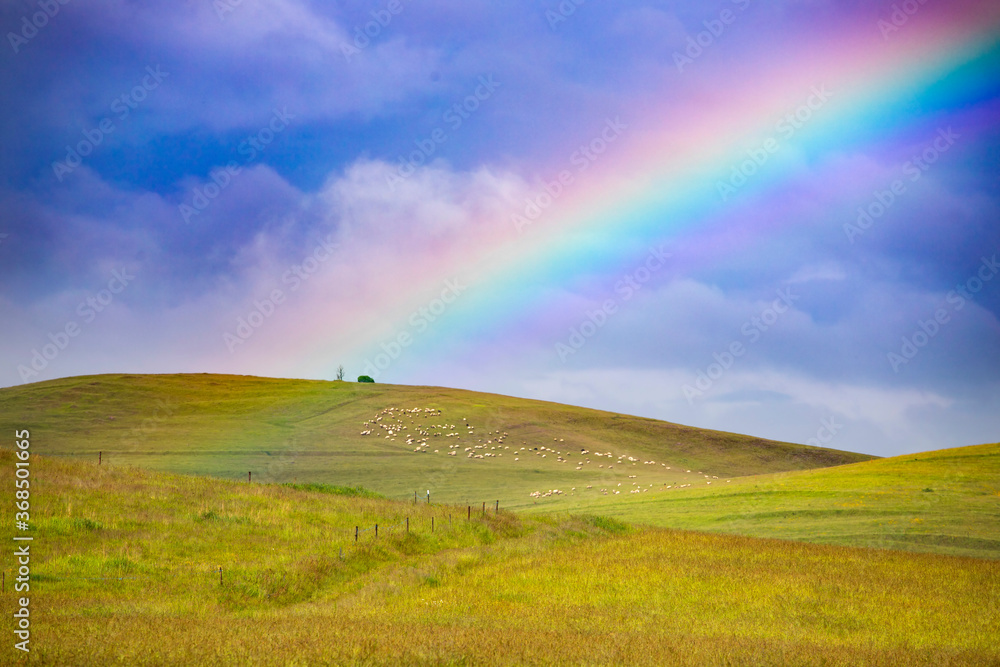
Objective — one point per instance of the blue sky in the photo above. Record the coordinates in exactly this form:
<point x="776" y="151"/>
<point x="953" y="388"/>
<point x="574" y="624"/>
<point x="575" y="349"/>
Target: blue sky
<point x="291" y="128"/>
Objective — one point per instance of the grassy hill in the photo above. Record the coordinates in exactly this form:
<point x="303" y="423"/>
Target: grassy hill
<point x="393" y="439"/>
<point x="126" y="570"/>
<point x="945" y="501"/>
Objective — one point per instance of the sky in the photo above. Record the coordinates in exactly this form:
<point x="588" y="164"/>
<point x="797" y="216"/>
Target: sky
<point x="780" y="218"/>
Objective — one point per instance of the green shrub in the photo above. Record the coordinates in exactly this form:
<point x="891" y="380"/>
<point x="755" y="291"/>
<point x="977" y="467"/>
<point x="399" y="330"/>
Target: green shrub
<point x="355" y="491"/>
<point x="86" y="524"/>
<point x="607" y="524"/>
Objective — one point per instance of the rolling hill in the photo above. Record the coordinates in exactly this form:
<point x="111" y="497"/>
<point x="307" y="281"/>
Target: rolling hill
<point x="396" y="440"/>
<point x="944" y="501"/>
<point x="135" y="564"/>
<point x="131" y="566"/>
<point x="467" y="447"/>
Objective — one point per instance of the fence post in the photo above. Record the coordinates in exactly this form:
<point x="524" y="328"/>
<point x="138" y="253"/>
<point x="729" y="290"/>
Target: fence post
<point x="498" y="507"/>
<point x="484" y="507"/>
<point x="249" y="477"/>
<point x="470" y="513"/>
<point x="414" y="497"/>
<point x="220" y="575"/>
<point x="355" y="533"/>
<point x="407" y="524"/>
<point x="428" y="497"/>
<point x="376" y="530"/>
<point x="100" y="455"/>
<point x="432" y="524"/>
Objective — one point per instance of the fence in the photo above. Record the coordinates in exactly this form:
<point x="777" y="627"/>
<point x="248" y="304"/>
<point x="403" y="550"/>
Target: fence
<point x="359" y="532"/>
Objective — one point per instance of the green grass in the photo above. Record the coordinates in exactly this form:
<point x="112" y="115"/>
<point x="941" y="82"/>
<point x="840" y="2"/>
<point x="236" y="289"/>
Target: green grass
<point x="304" y="431"/>
<point x="353" y="491"/>
<point x="307" y="434"/>
<point x="126" y="564"/>
<point x="945" y="501"/>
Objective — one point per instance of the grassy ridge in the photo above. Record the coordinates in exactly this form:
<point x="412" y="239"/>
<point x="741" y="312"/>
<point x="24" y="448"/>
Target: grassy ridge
<point x="310" y="431"/>
<point x="499" y="589"/>
<point x="945" y="501"/>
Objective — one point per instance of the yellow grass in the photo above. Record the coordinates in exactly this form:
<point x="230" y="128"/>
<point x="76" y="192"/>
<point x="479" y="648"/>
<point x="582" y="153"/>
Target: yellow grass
<point x="499" y="589"/>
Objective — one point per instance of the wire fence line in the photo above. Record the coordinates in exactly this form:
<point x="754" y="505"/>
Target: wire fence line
<point x="343" y="548"/>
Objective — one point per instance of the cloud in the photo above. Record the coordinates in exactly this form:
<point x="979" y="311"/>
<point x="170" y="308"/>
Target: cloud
<point x="331" y="178"/>
<point x="783" y="406"/>
<point x="222" y="77"/>
<point x="195" y="281"/>
<point x="824" y="271"/>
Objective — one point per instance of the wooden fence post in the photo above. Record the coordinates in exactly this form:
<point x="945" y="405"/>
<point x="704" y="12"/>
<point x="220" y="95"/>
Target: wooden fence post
<point x="220" y="575"/>
<point x="498" y="507"/>
<point x="484" y="507"/>
<point x="376" y="530"/>
<point x="355" y="533"/>
<point x="100" y="455"/>
<point x="432" y="524"/>
<point x="470" y="513"/>
<point x="249" y="477"/>
<point x="407" y="524"/>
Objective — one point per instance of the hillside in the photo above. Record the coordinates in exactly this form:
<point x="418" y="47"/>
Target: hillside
<point x="393" y="439"/>
<point x="945" y="501"/>
<point x="137" y="567"/>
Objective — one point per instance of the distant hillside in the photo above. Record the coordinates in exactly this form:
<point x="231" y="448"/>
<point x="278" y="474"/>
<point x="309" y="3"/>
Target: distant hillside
<point x="394" y="439"/>
<point x="946" y="501"/>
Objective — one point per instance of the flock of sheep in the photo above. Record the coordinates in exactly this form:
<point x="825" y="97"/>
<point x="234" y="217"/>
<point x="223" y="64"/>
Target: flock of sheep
<point x="391" y="422"/>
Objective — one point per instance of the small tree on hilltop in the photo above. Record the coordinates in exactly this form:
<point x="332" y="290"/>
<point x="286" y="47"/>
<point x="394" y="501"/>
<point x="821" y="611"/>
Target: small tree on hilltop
<point x="340" y="372"/>
<point x="365" y="378"/>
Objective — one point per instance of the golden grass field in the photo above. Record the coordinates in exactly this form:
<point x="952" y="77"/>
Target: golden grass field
<point x="127" y="573"/>
<point x="127" y="555"/>
<point x="946" y="501"/>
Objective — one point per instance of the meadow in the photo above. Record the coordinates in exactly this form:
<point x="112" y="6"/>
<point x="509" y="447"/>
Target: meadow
<point x="127" y="572"/>
<point x="552" y="534"/>
<point x="311" y="431"/>
<point x="946" y="501"/>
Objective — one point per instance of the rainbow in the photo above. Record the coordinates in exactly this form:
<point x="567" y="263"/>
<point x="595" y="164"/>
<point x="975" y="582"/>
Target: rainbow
<point x="713" y="166"/>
